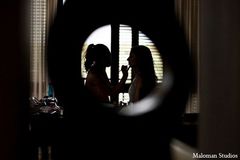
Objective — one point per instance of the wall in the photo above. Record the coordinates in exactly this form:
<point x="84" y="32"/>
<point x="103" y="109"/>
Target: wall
<point x="219" y="76"/>
<point x="13" y="82"/>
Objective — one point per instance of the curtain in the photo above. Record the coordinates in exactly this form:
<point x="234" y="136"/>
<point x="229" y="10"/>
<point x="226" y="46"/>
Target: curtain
<point x="41" y="17"/>
<point x="187" y="13"/>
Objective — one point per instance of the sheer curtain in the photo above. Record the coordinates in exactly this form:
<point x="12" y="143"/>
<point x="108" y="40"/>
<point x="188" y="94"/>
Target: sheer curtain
<point x="187" y="12"/>
<point x="41" y="17"/>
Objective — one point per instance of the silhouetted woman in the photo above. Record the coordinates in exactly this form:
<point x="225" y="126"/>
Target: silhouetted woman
<point x="144" y="80"/>
<point x="98" y="57"/>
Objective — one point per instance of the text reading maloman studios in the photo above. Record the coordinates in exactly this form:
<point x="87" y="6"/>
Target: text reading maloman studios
<point x="215" y="155"/>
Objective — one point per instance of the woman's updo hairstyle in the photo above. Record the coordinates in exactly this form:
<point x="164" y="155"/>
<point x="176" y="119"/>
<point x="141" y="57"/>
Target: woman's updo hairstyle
<point x="96" y="53"/>
<point x="89" y="57"/>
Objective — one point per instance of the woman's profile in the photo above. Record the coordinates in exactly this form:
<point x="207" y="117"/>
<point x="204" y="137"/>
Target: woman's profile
<point x="144" y="77"/>
<point x="98" y="57"/>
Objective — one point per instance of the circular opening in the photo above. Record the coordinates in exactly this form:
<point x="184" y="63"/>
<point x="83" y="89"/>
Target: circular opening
<point x="128" y="37"/>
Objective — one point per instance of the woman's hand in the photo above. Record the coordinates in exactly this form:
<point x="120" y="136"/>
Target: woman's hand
<point x="124" y="70"/>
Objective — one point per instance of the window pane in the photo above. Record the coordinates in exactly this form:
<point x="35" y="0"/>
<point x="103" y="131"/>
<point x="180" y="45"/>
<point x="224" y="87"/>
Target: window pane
<point x="125" y="44"/>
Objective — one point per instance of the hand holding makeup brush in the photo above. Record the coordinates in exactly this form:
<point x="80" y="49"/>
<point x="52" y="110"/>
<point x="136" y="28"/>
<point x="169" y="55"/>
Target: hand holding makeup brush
<point x="124" y="70"/>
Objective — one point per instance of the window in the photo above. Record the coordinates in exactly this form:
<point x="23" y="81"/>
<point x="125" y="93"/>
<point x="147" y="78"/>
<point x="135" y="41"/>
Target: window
<point x="125" y="41"/>
<point x="125" y="44"/>
<point x="42" y="14"/>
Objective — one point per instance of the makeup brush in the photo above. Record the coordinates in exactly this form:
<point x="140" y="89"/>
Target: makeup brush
<point x="128" y="67"/>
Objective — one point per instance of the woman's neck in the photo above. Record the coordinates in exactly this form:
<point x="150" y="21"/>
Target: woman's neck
<point x="135" y="70"/>
<point x="99" y="68"/>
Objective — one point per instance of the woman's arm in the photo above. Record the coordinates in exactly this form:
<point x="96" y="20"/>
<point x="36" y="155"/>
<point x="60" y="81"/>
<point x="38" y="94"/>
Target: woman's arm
<point x="97" y="88"/>
<point x="120" y="86"/>
<point x="100" y="85"/>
